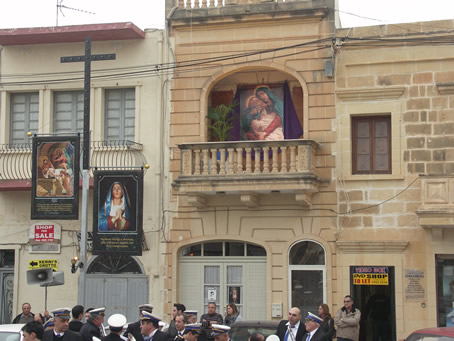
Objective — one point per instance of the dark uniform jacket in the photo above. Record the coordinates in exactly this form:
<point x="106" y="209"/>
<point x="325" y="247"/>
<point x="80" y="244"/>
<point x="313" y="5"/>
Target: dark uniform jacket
<point x="113" y="337"/>
<point x="160" y="336"/>
<point x="282" y="329"/>
<point x="69" y="335"/>
<point x="134" y="330"/>
<point x="75" y="325"/>
<point x="89" y="330"/>
<point x="318" y="336"/>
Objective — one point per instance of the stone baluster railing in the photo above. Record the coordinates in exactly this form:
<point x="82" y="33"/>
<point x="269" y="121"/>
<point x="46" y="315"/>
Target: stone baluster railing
<point x="248" y="158"/>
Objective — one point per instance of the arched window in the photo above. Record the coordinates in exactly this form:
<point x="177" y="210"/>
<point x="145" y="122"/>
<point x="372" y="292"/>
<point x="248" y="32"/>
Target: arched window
<point x="114" y="264"/>
<point x="307" y="276"/>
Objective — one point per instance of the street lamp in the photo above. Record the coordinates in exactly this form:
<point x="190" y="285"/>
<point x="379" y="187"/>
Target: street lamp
<point x="75" y="266"/>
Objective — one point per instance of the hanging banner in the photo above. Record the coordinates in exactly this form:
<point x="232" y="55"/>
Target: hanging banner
<point x="117" y="212"/>
<point x="370" y="275"/>
<point x="55" y="177"/>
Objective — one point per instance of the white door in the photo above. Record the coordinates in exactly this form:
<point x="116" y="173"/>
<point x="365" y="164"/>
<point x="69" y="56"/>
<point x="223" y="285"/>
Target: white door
<point x="224" y="281"/>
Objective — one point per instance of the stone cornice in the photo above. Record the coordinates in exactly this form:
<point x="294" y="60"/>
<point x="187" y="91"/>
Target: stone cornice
<point x="445" y="88"/>
<point x="388" y="246"/>
<point x="361" y="94"/>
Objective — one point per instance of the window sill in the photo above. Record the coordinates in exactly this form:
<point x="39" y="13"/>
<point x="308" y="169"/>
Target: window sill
<point x="375" y="177"/>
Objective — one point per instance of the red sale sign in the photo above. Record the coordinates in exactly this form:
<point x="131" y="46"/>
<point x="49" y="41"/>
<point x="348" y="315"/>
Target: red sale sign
<point x="44" y="233"/>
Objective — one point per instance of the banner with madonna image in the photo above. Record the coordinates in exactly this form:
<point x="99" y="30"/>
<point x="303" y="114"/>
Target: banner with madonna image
<point x="266" y="112"/>
<point x="55" y="177"/>
<point x="117" y="212"/>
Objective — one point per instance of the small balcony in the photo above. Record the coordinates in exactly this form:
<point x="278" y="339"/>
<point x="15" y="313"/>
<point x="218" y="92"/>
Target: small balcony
<point x="248" y="169"/>
<point x="16" y="160"/>
<point x="437" y="204"/>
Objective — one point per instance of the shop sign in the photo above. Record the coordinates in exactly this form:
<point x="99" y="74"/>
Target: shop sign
<point x="44" y="237"/>
<point x="370" y="275"/>
<point x="43" y="263"/>
<point x="44" y="233"/>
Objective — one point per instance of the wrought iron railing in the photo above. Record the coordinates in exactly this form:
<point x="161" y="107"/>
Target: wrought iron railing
<point x="16" y="160"/>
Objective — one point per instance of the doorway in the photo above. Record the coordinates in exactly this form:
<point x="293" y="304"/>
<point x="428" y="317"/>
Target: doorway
<point x="118" y="283"/>
<point x="307" y="276"/>
<point x="373" y="294"/>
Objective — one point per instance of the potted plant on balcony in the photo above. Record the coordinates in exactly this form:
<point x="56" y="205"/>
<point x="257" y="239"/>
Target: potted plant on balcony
<point x="220" y="124"/>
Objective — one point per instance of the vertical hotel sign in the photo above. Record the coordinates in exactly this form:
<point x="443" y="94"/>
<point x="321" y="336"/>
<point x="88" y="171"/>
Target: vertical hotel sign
<point x="55" y="177"/>
<point x="117" y="212"/>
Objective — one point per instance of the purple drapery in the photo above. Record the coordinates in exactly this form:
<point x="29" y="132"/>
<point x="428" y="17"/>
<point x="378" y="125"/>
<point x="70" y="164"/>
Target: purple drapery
<point x="292" y="125"/>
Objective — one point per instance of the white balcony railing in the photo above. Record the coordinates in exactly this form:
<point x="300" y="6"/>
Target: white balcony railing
<point x="248" y="167"/>
<point x="16" y="160"/>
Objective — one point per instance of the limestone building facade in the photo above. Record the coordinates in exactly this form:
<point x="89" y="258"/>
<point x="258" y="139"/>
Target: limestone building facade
<point x="248" y="215"/>
<point x="367" y="206"/>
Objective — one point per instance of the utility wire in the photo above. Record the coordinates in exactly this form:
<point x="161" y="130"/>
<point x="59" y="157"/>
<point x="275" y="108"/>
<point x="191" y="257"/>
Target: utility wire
<point x="166" y="68"/>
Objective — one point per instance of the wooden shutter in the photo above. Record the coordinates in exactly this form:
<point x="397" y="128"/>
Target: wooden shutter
<point x="371" y="145"/>
<point x="24" y="116"/>
<point x="68" y="111"/>
<point x="120" y="114"/>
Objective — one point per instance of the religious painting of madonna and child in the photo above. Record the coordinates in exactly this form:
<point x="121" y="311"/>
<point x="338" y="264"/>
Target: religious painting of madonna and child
<point x="55" y="177"/>
<point x="262" y="113"/>
<point x="117" y="212"/>
<point x="267" y="113"/>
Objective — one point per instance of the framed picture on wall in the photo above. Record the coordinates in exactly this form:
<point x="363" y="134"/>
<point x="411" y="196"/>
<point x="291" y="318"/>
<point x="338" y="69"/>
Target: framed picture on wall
<point x="235" y="295"/>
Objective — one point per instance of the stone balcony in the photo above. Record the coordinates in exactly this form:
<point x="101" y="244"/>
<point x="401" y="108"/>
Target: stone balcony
<point x="248" y="169"/>
<point x="437" y="204"/>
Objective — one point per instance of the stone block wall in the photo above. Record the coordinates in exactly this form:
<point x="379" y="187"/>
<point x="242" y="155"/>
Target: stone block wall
<point x="271" y="226"/>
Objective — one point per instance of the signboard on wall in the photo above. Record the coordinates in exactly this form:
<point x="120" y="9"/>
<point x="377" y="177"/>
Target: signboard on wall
<point x="44" y="237"/>
<point x="414" y="285"/>
<point x="43" y="263"/>
<point x="55" y="177"/>
<point x="370" y="275"/>
<point x="117" y="212"/>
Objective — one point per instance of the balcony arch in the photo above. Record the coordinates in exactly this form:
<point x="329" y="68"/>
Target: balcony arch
<point x="226" y="71"/>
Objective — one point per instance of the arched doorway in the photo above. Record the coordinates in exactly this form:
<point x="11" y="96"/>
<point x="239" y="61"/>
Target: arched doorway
<point x="307" y="276"/>
<point x="118" y="283"/>
<point x="223" y="272"/>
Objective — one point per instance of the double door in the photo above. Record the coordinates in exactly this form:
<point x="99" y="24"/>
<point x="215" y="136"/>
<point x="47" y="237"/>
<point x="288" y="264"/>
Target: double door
<point x="242" y="283"/>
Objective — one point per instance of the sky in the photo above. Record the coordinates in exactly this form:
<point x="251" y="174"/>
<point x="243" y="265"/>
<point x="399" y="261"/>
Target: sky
<point x="150" y="13"/>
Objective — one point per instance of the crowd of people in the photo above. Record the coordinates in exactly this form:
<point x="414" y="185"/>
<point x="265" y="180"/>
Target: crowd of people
<point x="212" y="326"/>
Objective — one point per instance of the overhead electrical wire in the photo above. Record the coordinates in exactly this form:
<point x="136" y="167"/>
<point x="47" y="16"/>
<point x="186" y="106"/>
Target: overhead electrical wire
<point x="208" y="63"/>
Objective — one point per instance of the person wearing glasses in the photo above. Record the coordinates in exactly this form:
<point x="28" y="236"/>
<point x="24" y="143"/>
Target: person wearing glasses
<point x="347" y="321"/>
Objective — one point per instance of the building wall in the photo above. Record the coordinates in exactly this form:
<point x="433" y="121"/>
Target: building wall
<point x="278" y="222"/>
<point x="150" y="119"/>
<point x="406" y="81"/>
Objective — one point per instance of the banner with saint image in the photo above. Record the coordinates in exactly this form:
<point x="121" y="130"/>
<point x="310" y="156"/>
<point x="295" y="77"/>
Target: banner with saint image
<point x="117" y="212"/>
<point x="55" y="177"/>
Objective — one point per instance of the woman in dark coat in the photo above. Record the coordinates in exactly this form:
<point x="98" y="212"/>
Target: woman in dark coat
<point x="328" y="323"/>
